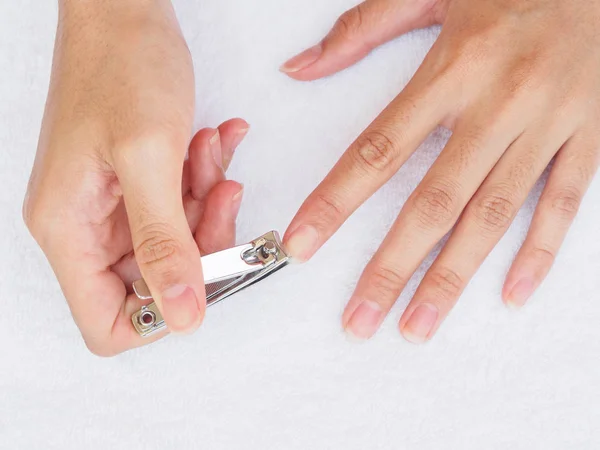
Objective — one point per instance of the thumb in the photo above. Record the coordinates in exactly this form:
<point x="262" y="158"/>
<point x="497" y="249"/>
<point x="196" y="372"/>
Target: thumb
<point x="358" y="31"/>
<point x="165" y="250"/>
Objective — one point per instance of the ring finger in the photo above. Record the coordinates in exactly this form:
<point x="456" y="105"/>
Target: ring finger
<point x="484" y="221"/>
<point x="478" y="142"/>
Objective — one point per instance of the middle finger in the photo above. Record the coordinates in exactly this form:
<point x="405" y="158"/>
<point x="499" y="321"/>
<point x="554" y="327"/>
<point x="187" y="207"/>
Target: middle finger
<point x="483" y="223"/>
<point x="480" y="138"/>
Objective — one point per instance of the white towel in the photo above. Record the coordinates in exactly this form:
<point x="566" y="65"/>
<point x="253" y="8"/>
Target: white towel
<point x="271" y="368"/>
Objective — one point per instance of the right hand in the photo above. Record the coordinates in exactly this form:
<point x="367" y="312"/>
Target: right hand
<point x="108" y="175"/>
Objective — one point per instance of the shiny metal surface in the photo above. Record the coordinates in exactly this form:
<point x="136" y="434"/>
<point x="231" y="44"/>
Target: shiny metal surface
<point x="225" y="273"/>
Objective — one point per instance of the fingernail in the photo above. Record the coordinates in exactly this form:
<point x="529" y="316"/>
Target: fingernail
<point x="239" y="136"/>
<point x="180" y="308"/>
<point x="215" y="148"/>
<point x="303" y="60"/>
<point x="303" y="243"/>
<point x="365" y="320"/>
<point x="520" y="293"/>
<point x="228" y="153"/>
<point x="350" y="338"/>
<point x="236" y="202"/>
<point x="420" y="323"/>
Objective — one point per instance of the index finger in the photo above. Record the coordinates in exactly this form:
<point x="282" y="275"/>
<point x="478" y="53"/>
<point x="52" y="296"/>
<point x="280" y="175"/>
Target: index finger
<point x="369" y="163"/>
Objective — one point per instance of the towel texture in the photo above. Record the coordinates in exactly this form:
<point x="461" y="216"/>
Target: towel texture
<point x="271" y="368"/>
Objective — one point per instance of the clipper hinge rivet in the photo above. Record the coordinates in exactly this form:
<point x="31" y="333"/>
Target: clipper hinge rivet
<point x="269" y="248"/>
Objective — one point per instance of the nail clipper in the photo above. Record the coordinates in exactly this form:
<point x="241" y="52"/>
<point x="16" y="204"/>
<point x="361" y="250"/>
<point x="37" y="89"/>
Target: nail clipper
<point x="225" y="273"/>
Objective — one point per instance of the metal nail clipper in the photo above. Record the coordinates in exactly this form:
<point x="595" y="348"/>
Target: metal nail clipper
<point x="225" y="273"/>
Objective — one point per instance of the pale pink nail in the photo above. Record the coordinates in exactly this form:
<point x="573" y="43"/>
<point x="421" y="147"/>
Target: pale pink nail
<point x="303" y="60"/>
<point x="215" y="148"/>
<point x="303" y="243"/>
<point x="236" y="202"/>
<point x="421" y="323"/>
<point x="228" y="153"/>
<point x="180" y="308"/>
<point x="520" y="293"/>
<point x="239" y="136"/>
<point x="365" y="320"/>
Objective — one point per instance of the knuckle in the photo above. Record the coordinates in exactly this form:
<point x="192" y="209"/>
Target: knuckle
<point x="471" y="143"/>
<point x="157" y="247"/>
<point x="478" y="46"/>
<point x="387" y="282"/>
<point x="438" y="10"/>
<point x="494" y="212"/>
<point x="525" y="76"/>
<point x="35" y="218"/>
<point x="374" y="150"/>
<point x="565" y="202"/>
<point x="543" y="255"/>
<point x="447" y="282"/>
<point x="350" y="23"/>
<point x="470" y="54"/>
<point x="29" y="215"/>
<point x="150" y="140"/>
<point x="524" y="168"/>
<point x="436" y="204"/>
<point x="330" y="209"/>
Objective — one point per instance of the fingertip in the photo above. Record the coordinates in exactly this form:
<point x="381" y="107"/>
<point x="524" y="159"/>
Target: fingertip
<point x="520" y="284"/>
<point x="420" y="324"/>
<point x="365" y="320"/>
<point x="355" y="34"/>
<point x="182" y="309"/>
<point x="412" y="338"/>
<point x="233" y="133"/>
<point x="224" y="193"/>
<point x="506" y="288"/>
<point x="353" y="339"/>
<point x="234" y="125"/>
<point x="201" y="139"/>
<point x="179" y="294"/>
<point x="302" y="61"/>
<point x="328" y="63"/>
<point x="517" y="296"/>
<point x="307" y="75"/>
<point x="322" y="60"/>
<point x="236" y="201"/>
<point x="302" y="243"/>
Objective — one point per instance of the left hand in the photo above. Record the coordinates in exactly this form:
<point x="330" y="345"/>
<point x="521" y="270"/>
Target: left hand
<point x="518" y="83"/>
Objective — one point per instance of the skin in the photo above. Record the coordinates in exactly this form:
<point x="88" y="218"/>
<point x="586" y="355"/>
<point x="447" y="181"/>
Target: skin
<point x="112" y="196"/>
<point x="517" y="83"/>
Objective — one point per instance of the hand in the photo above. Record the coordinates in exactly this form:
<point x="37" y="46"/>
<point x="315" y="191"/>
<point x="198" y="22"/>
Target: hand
<point x="109" y="172"/>
<point x="517" y="82"/>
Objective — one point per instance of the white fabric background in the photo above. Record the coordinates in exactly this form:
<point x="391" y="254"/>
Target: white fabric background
<point x="271" y="368"/>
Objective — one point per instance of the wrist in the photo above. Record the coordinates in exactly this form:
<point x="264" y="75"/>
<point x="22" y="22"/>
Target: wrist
<point x="91" y="9"/>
